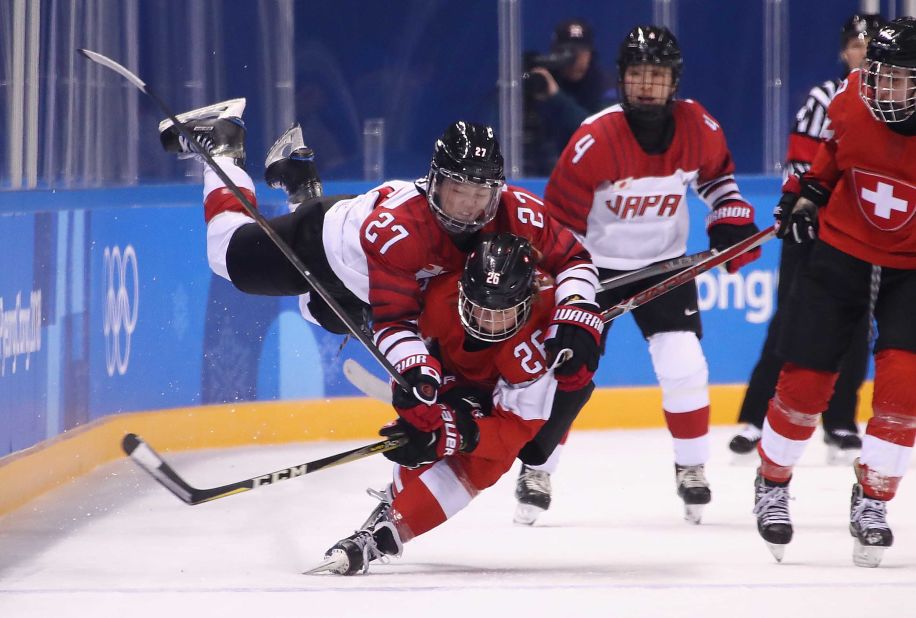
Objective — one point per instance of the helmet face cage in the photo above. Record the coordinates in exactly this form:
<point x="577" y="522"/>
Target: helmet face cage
<point x="492" y="325"/>
<point x="438" y="196"/>
<point x="651" y="46"/>
<point x="888" y="90"/>
<point x="497" y="287"/>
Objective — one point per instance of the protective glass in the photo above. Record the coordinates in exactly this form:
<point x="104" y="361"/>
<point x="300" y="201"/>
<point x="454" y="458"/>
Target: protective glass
<point x="463" y="204"/>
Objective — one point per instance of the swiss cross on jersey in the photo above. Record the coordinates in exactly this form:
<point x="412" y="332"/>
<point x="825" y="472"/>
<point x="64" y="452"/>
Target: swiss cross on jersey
<point x="886" y="202"/>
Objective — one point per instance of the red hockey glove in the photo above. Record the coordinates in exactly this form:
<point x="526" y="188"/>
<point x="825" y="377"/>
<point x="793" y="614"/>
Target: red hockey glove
<point x="575" y="326"/>
<point x="729" y="224"/>
<point x="458" y="433"/>
<point x="417" y="406"/>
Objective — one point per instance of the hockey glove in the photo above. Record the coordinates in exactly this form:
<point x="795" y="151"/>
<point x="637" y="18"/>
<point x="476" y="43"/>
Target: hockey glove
<point x="575" y="326"/>
<point x="797" y="214"/>
<point x="417" y="406"/>
<point x="457" y="433"/>
<point x="728" y="225"/>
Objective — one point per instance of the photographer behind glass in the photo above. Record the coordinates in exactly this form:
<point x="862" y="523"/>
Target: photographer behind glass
<point x="561" y="89"/>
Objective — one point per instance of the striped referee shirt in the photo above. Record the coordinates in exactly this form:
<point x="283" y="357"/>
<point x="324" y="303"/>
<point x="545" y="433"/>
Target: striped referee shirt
<point x="806" y="133"/>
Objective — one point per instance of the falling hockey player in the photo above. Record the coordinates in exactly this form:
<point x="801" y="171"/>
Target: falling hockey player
<point x="856" y="205"/>
<point x="621" y="185"/>
<point x="489" y="325"/>
<point x="372" y="251"/>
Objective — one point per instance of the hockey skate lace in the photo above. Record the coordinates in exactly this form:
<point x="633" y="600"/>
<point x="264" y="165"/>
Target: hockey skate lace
<point x="536" y="481"/>
<point x="870" y="514"/>
<point x="692" y="476"/>
<point x="369" y="547"/>
<point x="773" y="506"/>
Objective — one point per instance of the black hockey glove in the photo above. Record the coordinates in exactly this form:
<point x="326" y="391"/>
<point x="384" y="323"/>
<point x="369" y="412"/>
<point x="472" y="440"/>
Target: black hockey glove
<point x="575" y="325"/>
<point x="797" y="214"/>
<point x="458" y="433"/>
<point x="417" y="406"/>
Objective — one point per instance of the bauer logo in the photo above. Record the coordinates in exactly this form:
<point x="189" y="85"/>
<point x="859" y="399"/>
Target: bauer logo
<point x="20" y="332"/>
<point x="753" y="292"/>
<point x="122" y="303"/>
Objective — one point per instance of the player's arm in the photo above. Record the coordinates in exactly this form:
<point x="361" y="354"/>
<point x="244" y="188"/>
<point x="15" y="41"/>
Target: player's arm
<point x="394" y="253"/>
<point x="570" y="189"/>
<point x="802" y="197"/>
<point x="731" y="217"/>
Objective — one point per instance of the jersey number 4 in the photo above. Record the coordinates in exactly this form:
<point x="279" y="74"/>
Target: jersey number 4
<point x="383" y="220"/>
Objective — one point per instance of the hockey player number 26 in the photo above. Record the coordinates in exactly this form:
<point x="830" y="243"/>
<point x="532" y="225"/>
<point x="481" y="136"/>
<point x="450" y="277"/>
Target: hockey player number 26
<point x="384" y="220"/>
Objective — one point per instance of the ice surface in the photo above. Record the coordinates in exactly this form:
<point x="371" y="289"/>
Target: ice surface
<point x="614" y="543"/>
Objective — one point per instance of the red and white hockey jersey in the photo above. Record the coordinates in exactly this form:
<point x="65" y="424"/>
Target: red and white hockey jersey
<point x="403" y="245"/>
<point x="871" y="173"/>
<point x="629" y="206"/>
<point x="515" y="369"/>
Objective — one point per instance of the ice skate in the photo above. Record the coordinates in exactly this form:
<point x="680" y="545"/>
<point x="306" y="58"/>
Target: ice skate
<point x="290" y="165"/>
<point x="376" y="540"/>
<point x="843" y="446"/>
<point x="745" y="441"/>
<point x="771" y="506"/>
<point x="218" y="129"/>
<point x="532" y="490"/>
<point x="693" y="489"/>
<point x="868" y="525"/>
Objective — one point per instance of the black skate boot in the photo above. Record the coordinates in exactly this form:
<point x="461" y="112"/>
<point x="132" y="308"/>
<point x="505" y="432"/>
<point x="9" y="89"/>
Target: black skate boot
<point x="693" y="489"/>
<point x="532" y="490"/>
<point x="843" y="446"/>
<point x="376" y="540"/>
<point x="771" y="506"/>
<point x="746" y="440"/>
<point x="868" y="524"/>
<point x="290" y="165"/>
<point x="218" y="129"/>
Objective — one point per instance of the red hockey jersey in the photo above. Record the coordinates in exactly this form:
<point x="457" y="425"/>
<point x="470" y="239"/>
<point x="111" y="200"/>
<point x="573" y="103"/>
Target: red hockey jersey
<point x="404" y="245"/>
<point x="872" y="175"/>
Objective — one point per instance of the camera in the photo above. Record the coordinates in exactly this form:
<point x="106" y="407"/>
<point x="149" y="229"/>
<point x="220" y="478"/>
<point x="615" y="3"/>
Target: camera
<point x="535" y="84"/>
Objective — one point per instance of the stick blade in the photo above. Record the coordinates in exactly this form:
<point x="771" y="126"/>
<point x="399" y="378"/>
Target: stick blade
<point x="107" y="62"/>
<point x="366" y="382"/>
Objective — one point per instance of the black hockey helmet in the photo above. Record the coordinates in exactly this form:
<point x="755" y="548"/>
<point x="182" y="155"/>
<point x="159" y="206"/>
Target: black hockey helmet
<point x="497" y="287"/>
<point x="655" y="45"/>
<point x="467" y="154"/>
<point x="860" y="25"/>
<point x="888" y="84"/>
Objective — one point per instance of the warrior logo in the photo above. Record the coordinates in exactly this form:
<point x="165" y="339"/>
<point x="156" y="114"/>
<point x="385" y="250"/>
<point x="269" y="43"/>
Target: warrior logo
<point x="122" y="301"/>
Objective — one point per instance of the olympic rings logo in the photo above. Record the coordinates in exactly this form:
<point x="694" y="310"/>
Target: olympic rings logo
<point x="122" y="301"/>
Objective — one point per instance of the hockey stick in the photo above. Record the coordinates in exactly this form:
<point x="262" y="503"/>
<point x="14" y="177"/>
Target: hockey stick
<point x="678" y="263"/>
<point x="253" y="212"/>
<point x="152" y="462"/>
<point x="689" y="274"/>
<point x="366" y="382"/>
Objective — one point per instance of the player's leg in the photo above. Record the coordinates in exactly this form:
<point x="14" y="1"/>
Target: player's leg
<point x="827" y="303"/>
<point x="671" y="325"/>
<point x="763" y="378"/>
<point x="841" y="433"/>
<point x="890" y="433"/>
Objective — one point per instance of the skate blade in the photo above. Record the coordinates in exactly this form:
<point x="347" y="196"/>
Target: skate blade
<point x="526" y="514"/>
<point x="232" y="108"/>
<point x="288" y="142"/>
<point x="868" y="556"/>
<point x="839" y="457"/>
<point x="336" y="562"/>
<point x="693" y="513"/>
<point x="778" y="551"/>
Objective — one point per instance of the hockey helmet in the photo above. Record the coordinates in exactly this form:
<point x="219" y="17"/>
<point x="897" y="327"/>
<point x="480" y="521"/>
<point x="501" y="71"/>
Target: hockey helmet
<point x="860" y="26"/>
<point x="465" y="177"/>
<point x="497" y="287"/>
<point x="652" y="45"/>
<point x="888" y="84"/>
